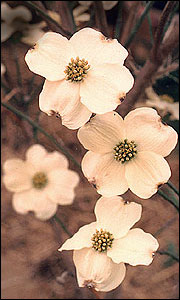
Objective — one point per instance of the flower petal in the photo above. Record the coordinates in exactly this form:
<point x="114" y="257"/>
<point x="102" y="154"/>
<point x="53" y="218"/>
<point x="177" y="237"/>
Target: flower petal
<point x="102" y="132"/>
<point x="116" y="216"/>
<point x="81" y="239"/>
<point x="105" y="173"/>
<point x="50" y="56"/>
<point x="36" y="201"/>
<point x="17" y="175"/>
<point x="93" y="46"/>
<point x="105" y="87"/>
<point x="61" y="185"/>
<point x="58" y="96"/>
<point x="65" y="102"/>
<point x="146" y="172"/>
<point x="144" y="126"/>
<point x="35" y="155"/>
<point x="97" y="270"/>
<point x="46" y="161"/>
<point x="136" y="248"/>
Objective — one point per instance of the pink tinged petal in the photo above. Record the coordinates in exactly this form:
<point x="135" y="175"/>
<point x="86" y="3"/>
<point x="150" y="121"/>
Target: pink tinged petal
<point x="50" y="56"/>
<point x="105" y="87"/>
<point x="105" y="173"/>
<point x="144" y="126"/>
<point x="146" y="172"/>
<point x="102" y="132"/>
<point x="97" y="270"/>
<point x="94" y="47"/>
<point x="136" y="248"/>
<point x="81" y="239"/>
<point x="116" y="216"/>
<point x="17" y="175"/>
<point x="54" y="160"/>
<point x="61" y="185"/>
<point x="36" y="201"/>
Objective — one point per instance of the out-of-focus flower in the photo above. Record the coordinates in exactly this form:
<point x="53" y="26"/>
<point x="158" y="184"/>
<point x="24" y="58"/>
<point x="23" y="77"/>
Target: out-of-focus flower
<point x="81" y="13"/>
<point x="84" y="75"/>
<point x="106" y="4"/>
<point x="3" y="69"/>
<point x="127" y="153"/>
<point x="17" y="19"/>
<point x="102" y="247"/>
<point x="41" y="182"/>
<point x="163" y="103"/>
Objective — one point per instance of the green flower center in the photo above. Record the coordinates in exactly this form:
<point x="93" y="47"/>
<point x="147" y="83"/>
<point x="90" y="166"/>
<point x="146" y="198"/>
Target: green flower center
<point x="125" y="151"/>
<point x="77" y="69"/>
<point x="102" y="240"/>
<point x="39" y="180"/>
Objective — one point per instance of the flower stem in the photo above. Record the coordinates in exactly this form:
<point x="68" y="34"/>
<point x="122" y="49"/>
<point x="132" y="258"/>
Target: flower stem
<point x="138" y="24"/>
<point x="169" y="254"/>
<point x="171" y="200"/>
<point x="171" y="185"/>
<point x="35" y="125"/>
<point x="62" y="225"/>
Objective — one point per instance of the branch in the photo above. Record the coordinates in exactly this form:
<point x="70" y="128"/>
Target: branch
<point x="100" y="16"/>
<point x="53" y="25"/>
<point x="148" y="72"/>
<point x="160" y="29"/>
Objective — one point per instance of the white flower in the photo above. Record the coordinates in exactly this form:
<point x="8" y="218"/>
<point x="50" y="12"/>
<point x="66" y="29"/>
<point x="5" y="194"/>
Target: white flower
<point x="127" y="153"/>
<point x="84" y="75"/>
<point x="17" y="19"/>
<point x="163" y="103"/>
<point x="102" y="247"/>
<point x="41" y="182"/>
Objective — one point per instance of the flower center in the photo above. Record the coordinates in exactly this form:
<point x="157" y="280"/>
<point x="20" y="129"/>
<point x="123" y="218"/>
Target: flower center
<point x="76" y="69"/>
<point x="102" y="240"/>
<point x="39" y="180"/>
<point x="125" y="151"/>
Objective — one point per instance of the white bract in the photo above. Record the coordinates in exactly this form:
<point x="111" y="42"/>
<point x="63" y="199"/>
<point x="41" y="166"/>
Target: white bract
<point x="102" y="247"/>
<point x="84" y="74"/>
<point x="41" y="182"/>
<point x="17" y="19"/>
<point x="127" y="153"/>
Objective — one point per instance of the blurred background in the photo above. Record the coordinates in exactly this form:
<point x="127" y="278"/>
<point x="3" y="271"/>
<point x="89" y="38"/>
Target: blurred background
<point x="32" y="268"/>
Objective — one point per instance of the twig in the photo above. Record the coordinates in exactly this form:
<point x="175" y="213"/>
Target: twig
<point x="100" y="16"/>
<point x="169" y="254"/>
<point x="171" y="185"/>
<point x="173" y="201"/>
<point x="48" y="19"/>
<point x="160" y="29"/>
<point x="147" y="72"/>
<point x="35" y="125"/>
<point x="62" y="225"/>
<point x="10" y="94"/>
<point x="118" y="25"/>
<point x="138" y="24"/>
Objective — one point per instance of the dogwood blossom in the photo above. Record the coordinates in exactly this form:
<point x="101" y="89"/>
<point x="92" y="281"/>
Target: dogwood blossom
<point x="102" y="247"/>
<point x="84" y="75"/>
<point x="127" y="153"/>
<point x="17" y="19"/>
<point x="41" y="182"/>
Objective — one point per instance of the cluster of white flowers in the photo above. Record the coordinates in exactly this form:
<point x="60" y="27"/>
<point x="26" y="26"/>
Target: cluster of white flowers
<point x="85" y="75"/>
